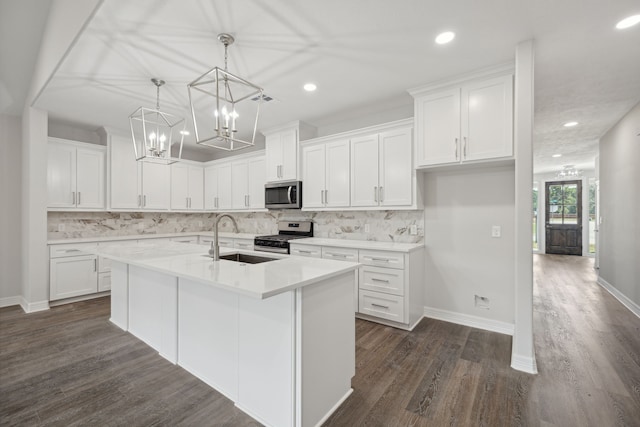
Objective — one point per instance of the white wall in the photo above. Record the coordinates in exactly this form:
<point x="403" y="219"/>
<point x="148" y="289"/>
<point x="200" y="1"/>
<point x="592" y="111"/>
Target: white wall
<point x="10" y="211"/>
<point x="73" y="132"/>
<point x="620" y="205"/>
<point x="462" y="259"/>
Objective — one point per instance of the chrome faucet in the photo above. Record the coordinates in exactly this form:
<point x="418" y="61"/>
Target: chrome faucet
<point x="215" y="247"/>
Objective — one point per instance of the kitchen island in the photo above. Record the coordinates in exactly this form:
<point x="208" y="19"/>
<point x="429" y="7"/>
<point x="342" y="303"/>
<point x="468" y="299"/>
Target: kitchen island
<point x="277" y="338"/>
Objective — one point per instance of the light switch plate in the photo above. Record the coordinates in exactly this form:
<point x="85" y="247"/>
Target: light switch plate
<point x="496" y="231"/>
<point x="367" y="228"/>
<point x="413" y="230"/>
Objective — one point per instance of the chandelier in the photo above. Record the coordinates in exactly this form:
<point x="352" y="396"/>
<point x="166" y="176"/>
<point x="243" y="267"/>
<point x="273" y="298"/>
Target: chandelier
<point x="156" y="135"/>
<point x="568" y="171"/>
<point x="217" y="107"/>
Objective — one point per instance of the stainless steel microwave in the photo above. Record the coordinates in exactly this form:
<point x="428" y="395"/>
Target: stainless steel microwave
<point x="283" y="195"/>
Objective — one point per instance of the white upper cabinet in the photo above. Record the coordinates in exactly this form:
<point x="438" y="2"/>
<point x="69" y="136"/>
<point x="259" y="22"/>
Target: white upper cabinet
<point x="125" y="174"/>
<point x="235" y="185"/>
<point x="487" y="119"/>
<point x="467" y="122"/>
<point x="281" y="146"/>
<point x="369" y="168"/>
<point x="187" y="186"/>
<point x="75" y="175"/>
<point x="217" y="187"/>
<point x="155" y="186"/>
<point x="137" y="185"/>
<point x="256" y="180"/>
<point x="395" y="177"/>
<point x="438" y="128"/>
<point x="326" y="175"/>
<point x="364" y="171"/>
<point x="382" y="169"/>
<point x="240" y="184"/>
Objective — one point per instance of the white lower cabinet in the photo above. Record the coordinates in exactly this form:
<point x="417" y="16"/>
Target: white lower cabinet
<point x="72" y="272"/>
<point x="388" y="286"/>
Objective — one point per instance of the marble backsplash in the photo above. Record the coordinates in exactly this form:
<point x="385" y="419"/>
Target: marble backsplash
<point x="385" y="226"/>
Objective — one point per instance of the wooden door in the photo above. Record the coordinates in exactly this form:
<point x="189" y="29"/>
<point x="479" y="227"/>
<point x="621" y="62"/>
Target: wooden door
<point x="563" y="221"/>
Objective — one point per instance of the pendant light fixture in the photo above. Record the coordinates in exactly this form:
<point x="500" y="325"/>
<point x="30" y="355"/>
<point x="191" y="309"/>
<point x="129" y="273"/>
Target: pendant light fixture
<point x="224" y="107"/>
<point x="156" y="135"/>
<point x="568" y="172"/>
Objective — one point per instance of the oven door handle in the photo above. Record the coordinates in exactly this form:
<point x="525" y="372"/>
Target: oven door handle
<point x="289" y="194"/>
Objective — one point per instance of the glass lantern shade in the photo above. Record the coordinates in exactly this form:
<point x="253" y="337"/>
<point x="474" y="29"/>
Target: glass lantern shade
<point x="157" y="136"/>
<point x="225" y="110"/>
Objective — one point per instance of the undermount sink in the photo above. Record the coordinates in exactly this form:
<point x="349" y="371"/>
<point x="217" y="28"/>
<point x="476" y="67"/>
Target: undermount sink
<point x="246" y="258"/>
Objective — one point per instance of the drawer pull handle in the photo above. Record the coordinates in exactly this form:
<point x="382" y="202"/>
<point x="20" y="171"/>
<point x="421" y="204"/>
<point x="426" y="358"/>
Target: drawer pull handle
<point x="380" y="259"/>
<point x="304" y="252"/>
<point x="337" y="255"/>
<point x="379" y="280"/>
<point x="72" y="250"/>
<point x="380" y="306"/>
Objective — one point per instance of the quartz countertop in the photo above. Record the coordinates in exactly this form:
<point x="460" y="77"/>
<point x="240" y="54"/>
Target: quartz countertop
<point x="256" y="280"/>
<point x="360" y="244"/>
<point x="151" y="236"/>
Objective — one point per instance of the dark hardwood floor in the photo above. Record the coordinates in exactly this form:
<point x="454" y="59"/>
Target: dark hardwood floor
<point x="70" y="366"/>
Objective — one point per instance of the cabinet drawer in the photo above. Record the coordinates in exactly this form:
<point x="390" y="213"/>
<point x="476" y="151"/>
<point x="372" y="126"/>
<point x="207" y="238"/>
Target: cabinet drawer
<point x="342" y="254"/>
<point x="382" y="259"/>
<point x="387" y="280"/>
<point x="205" y="240"/>
<point x="189" y="239"/>
<point x="70" y="249"/>
<point x="104" y="282"/>
<point x="308" y="251"/>
<point x="104" y="265"/>
<point x="243" y="244"/>
<point x="225" y="242"/>
<point x="385" y="306"/>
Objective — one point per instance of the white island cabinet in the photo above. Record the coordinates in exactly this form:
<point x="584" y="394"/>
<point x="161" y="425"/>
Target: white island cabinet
<point x="277" y="338"/>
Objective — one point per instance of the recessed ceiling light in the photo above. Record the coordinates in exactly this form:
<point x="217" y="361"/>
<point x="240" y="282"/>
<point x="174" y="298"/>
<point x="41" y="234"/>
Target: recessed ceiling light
<point x="570" y="124"/>
<point x="445" y="37"/>
<point x="628" y="22"/>
<point x="310" y="87"/>
<point x="557" y="155"/>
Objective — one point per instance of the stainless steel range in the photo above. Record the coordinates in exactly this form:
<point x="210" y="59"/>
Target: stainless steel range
<point x="287" y="230"/>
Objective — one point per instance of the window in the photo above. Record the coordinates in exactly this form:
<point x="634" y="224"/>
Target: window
<point x="593" y="189"/>
<point x="563" y="204"/>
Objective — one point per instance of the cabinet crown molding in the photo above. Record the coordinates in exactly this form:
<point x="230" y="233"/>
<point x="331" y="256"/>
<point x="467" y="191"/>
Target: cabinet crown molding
<point x="304" y="128"/>
<point x="488" y="72"/>
<point x="80" y="144"/>
<point x="361" y="132"/>
<point x="230" y="159"/>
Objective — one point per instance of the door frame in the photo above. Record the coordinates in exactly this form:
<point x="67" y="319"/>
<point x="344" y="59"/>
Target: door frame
<point x="579" y="214"/>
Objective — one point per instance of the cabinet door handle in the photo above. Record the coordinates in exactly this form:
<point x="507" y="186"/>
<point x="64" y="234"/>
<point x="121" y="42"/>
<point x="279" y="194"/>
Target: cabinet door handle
<point x="455" y="144"/>
<point x="373" y="279"/>
<point x="248" y="201"/>
<point x="186" y="202"/>
<point x="95" y="264"/>
<point x="144" y="200"/>
<point x="375" y="194"/>
<point x="216" y="201"/>
<point x="380" y="306"/>
<point x="381" y="194"/>
<point x="464" y="148"/>
<point x="139" y="201"/>
<point x="326" y="196"/>
<point x="73" y="194"/>
<point x="79" y="202"/>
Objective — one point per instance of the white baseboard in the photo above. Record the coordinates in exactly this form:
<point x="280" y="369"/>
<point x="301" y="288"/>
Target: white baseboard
<point x="32" y="307"/>
<point x="524" y="364"/>
<point x="9" y="301"/>
<point x="632" y="306"/>
<point x="469" y="320"/>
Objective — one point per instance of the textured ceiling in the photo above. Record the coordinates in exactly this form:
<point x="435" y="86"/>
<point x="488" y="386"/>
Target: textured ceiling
<point x="362" y="54"/>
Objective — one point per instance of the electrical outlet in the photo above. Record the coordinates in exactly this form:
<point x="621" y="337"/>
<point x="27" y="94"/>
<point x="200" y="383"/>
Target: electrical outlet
<point x="496" y="231"/>
<point x="60" y="227"/>
<point x="482" y="302"/>
<point x="367" y="228"/>
<point x="413" y="230"/>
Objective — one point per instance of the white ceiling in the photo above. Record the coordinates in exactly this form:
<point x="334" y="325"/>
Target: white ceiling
<point x="362" y="54"/>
